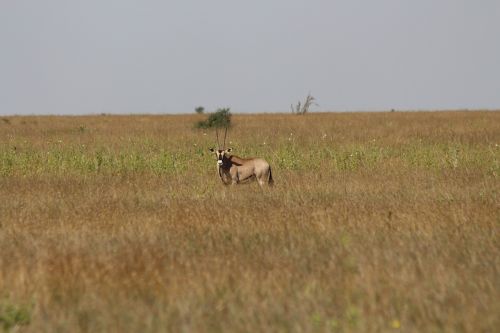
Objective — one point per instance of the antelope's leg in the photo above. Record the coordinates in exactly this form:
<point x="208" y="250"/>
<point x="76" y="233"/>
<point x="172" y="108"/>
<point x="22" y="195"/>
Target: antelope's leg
<point x="234" y="176"/>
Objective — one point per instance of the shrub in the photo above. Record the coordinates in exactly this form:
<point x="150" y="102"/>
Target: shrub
<point x="12" y="316"/>
<point x="219" y="118"/>
<point x="199" y="109"/>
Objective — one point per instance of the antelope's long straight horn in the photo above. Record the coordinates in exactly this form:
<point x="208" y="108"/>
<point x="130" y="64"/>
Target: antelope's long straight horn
<point x="225" y="138"/>
<point x="217" y="133"/>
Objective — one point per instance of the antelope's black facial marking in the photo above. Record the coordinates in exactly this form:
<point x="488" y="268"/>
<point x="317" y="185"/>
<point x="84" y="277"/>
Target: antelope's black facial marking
<point x="220" y="156"/>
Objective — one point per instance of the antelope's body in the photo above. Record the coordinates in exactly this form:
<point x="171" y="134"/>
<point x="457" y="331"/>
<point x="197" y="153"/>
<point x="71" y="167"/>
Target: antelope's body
<point x="235" y="170"/>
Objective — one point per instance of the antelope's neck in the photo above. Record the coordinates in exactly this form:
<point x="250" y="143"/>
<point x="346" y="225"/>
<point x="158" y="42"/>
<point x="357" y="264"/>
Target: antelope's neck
<point x="226" y="163"/>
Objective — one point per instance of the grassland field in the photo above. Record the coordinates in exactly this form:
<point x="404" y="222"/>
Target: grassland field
<point x="378" y="222"/>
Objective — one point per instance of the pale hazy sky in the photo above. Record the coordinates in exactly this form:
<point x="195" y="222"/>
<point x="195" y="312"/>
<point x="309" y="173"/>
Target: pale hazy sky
<point x="147" y="56"/>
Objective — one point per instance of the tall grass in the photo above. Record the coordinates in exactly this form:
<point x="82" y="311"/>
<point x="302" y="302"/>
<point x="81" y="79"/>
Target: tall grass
<point x="378" y="222"/>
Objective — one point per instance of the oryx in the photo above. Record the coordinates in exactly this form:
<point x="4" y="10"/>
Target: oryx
<point x="235" y="170"/>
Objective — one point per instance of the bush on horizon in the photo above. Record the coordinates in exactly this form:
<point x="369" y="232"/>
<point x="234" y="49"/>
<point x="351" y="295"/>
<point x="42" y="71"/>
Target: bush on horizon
<point x="219" y="118"/>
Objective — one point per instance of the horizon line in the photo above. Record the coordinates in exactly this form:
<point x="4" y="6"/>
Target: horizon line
<point x="246" y="113"/>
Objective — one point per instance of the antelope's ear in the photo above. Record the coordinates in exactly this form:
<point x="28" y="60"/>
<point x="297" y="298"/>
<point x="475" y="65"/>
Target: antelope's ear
<point x="229" y="150"/>
<point x="212" y="150"/>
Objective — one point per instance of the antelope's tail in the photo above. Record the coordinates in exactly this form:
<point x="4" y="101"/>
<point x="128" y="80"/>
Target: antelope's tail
<point x="270" y="181"/>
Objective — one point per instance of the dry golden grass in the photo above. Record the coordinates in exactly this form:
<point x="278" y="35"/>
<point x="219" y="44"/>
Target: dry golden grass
<point x="378" y="223"/>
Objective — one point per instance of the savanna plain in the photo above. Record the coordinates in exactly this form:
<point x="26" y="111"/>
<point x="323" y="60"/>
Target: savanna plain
<point x="378" y="222"/>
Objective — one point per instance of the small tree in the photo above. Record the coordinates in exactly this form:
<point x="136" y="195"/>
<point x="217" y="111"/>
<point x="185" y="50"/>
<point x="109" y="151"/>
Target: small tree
<point x="220" y="118"/>
<point x="199" y="109"/>
<point x="303" y="109"/>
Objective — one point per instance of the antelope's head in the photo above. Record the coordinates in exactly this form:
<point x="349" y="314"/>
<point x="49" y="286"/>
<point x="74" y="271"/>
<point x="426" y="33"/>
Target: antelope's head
<point x="221" y="153"/>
